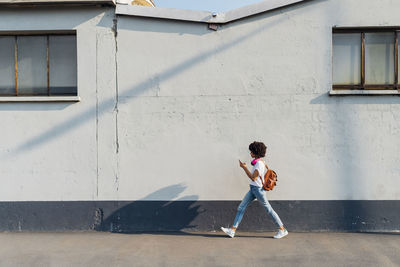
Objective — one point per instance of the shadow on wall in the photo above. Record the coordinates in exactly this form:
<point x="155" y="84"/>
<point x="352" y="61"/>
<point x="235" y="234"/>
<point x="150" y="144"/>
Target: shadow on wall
<point x="137" y="90"/>
<point x="348" y="146"/>
<point x="148" y="214"/>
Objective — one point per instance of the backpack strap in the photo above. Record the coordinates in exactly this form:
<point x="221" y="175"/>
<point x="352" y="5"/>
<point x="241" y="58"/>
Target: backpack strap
<point x="261" y="177"/>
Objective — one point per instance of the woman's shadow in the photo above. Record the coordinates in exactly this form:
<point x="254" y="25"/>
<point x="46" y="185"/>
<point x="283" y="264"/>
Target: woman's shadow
<point x="151" y="215"/>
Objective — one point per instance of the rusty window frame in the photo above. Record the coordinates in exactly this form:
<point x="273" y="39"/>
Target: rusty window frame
<point x="362" y="85"/>
<point x="34" y="33"/>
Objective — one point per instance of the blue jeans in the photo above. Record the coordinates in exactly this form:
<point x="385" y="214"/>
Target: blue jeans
<point x="259" y="193"/>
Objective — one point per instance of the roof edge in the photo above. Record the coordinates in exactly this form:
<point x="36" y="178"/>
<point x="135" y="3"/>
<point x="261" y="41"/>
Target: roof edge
<point x="168" y="13"/>
<point x="203" y="16"/>
<point x="258" y="8"/>
<point x="55" y="2"/>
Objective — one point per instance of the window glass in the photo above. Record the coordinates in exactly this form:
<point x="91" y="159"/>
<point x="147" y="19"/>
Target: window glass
<point x="32" y="65"/>
<point x="379" y="58"/>
<point x="7" y="65"/>
<point x="63" y="70"/>
<point x="347" y="58"/>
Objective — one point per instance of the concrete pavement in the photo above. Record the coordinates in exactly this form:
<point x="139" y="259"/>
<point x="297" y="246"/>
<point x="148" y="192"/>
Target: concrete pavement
<point x="198" y="249"/>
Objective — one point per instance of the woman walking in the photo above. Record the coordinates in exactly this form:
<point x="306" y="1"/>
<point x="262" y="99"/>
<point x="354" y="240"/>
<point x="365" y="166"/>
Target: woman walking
<point x="257" y="152"/>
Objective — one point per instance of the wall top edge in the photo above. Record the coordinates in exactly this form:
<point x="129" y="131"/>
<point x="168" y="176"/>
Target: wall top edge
<point x="203" y="16"/>
<point x="168" y="13"/>
<point x="55" y="2"/>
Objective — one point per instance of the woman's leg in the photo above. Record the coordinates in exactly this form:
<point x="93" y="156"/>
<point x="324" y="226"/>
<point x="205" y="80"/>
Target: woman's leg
<point x="261" y="197"/>
<point x="248" y="198"/>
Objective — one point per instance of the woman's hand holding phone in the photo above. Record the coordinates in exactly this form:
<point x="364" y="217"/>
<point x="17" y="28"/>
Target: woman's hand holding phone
<point x="242" y="164"/>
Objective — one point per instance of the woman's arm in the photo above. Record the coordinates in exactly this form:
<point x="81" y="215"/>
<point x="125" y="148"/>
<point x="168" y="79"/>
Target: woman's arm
<point x="253" y="176"/>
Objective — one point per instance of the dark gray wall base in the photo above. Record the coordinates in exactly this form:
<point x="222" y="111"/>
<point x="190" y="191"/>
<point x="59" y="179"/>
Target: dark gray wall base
<point x="143" y="216"/>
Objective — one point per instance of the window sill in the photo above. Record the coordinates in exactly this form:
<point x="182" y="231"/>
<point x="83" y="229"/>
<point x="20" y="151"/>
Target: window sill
<point x="363" y="92"/>
<point x="40" y="99"/>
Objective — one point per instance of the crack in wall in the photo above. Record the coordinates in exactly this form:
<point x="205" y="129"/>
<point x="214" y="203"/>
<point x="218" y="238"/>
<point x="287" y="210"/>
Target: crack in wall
<point x="97" y="123"/>
<point x="115" y="30"/>
<point x="116" y="109"/>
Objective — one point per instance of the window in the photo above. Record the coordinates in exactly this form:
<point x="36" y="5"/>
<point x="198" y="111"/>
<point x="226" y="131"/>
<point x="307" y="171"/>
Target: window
<point x="38" y="64"/>
<point x="365" y="59"/>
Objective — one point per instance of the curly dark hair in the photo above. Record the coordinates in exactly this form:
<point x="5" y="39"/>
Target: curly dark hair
<point x="258" y="149"/>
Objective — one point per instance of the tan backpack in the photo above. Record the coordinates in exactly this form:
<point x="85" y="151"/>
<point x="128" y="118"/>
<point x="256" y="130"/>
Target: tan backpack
<point x="270" y="179"/>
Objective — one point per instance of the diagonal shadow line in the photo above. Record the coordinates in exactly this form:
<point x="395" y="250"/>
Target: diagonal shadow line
<point x="90" y="113"/>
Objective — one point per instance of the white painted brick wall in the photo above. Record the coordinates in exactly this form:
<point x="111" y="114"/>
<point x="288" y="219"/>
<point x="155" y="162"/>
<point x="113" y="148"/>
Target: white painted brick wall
<point x="191" y="100"/>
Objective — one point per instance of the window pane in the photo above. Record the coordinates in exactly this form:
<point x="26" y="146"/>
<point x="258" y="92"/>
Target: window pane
<point x="398" y="60"/>
<point x="32" y="65"/>
<point x="7" y="66"/>
<point x="379" y="58"/>
<point x="63" y="71"/>
<point x="346" y="58"/>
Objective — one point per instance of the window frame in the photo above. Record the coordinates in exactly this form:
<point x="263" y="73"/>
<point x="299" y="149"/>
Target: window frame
<point x="363" y="85"/>
<point x="38" y="97"/>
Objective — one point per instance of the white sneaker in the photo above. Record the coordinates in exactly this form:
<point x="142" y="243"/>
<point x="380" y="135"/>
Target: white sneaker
<point x="228" y="231"/>
<point x="281" y="233"/>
